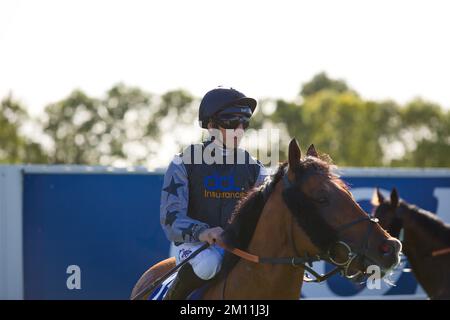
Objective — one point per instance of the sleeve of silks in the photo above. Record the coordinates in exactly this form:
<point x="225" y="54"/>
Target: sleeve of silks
<point x="177" y="226"/>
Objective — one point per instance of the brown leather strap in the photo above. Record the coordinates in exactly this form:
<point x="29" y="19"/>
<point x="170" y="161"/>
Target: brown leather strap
<point x="440" y="252"/>
<point x="243" y="254"/>
<point x="294" y="261"/>
<point x="256" y="259"/>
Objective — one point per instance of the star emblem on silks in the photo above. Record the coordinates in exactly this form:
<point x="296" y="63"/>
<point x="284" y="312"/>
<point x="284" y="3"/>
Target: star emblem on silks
<point x="172" y="188"/>
<point x="187" y="231"/>
<point x="171" y="216"/>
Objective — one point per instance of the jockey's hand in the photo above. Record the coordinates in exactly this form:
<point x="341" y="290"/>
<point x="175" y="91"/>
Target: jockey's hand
<point x="212" y="236"/>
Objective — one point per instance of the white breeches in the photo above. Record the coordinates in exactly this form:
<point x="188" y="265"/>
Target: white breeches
<point x="206" y="264"/>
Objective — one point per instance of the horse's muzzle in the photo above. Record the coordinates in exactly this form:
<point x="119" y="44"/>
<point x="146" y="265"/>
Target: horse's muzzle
<point x="389" y="252"/>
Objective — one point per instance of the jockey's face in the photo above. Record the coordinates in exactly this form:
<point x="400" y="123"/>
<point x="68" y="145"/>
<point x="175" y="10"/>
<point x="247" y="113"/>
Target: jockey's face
<point x="228" y="137"/>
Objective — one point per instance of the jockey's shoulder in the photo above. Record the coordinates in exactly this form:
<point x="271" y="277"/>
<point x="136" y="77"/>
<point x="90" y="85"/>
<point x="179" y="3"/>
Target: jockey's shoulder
<point x="180" y="157"/>
<point x="177" y="160"/>
<point x="183" y="157"/>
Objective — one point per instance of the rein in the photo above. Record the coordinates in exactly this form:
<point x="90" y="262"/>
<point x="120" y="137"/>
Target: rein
<point x="306" y="261"/>
<point x="294" y="261"/>
<point x="440" y="252"/>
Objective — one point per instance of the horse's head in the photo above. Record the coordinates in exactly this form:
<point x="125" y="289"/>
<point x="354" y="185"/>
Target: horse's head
<point x="337" y="226"/>
<point x="385" y="210"/>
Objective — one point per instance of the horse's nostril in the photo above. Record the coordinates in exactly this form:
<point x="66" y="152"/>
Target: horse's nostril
<point x="387" y="248"/>
<point x="390" y="247"/>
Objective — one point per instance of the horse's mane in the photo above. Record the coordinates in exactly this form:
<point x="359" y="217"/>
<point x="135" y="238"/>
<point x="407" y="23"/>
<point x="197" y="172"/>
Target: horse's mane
<point x="245" y="217"/>
<point x="247" y="212"/>
<point x="429" y="222"/>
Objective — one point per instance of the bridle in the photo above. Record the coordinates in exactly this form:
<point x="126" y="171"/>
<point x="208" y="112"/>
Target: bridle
<point x="306" y="261"/>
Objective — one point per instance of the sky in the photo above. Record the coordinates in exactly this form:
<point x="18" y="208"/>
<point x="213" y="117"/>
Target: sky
<point x="383" y="49"/>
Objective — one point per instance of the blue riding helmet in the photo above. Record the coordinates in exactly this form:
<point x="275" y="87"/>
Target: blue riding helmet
<point x="224" y="100"/>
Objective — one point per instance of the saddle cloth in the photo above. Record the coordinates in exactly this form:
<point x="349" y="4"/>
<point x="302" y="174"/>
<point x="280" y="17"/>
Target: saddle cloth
<point x="161" y="290"/>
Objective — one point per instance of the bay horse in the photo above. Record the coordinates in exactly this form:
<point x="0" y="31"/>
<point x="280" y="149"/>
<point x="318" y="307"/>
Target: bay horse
<point x="426" y="241"/>
<point x="305" y="213"/>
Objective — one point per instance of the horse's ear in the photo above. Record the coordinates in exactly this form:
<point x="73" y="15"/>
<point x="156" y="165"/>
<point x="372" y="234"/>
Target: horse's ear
<point x="294" y="154"/>
<point x="312" y="151"/>
<point x="394" y="198"/>
<point x="377" y="197"/>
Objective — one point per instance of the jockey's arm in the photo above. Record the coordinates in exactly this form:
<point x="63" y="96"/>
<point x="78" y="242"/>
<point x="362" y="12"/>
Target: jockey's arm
<point x="177" y="226"/>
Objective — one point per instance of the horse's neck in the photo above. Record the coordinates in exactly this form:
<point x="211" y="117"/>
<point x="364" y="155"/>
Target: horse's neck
<point x="272" y="233"/>
<point x="418" y="238"/>
<point x="418" y="245"/>
<point x="271" y="239"/>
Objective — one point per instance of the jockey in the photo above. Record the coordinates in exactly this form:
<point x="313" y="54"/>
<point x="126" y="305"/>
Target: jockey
<point x="203" y="184"/>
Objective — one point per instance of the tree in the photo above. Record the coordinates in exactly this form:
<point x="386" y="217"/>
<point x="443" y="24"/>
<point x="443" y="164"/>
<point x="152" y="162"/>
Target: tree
<point x="129" y="126"/>
<point x="87" y="130"/>
<point x="425" y="135"/>
<point x="70" y="124"/>
<point x="322" y="82"/>
<point x="14" y="146"/>
<point x="123" y="128"/>
<point x="356" y="132"/>
<point x="339" y="122"/>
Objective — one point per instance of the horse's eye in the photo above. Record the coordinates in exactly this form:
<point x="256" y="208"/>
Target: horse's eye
<point x="322" y="197"/>
<point x="322" y="200"/>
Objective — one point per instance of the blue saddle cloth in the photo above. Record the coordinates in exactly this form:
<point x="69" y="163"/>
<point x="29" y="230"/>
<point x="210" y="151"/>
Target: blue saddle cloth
<point x="161" y="290"/>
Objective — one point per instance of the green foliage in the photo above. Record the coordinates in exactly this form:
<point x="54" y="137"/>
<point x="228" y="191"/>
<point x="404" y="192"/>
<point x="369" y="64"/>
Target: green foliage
<point x="128" y="125"/>
<point x="366" y="133"/>
<point x="340" y="124"/>
<point x="14" y="147"/>
<point x="87" y="130"/>
<point x="322" y="82"/>
<point x="425" y="132"/>
<point x="123" y="127"/>
<point x="70" y="125"/>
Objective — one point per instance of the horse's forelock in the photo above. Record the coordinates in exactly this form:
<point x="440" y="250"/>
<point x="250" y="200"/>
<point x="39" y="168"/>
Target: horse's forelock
<point x="303" y="207"/>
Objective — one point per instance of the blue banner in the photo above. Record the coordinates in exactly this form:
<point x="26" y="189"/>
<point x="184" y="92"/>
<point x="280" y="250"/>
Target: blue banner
<point x="91" y="236"/>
